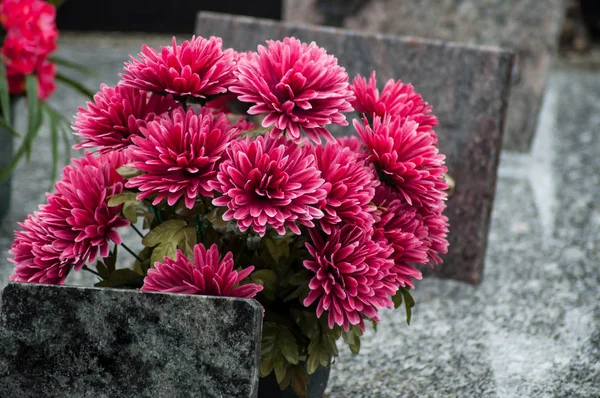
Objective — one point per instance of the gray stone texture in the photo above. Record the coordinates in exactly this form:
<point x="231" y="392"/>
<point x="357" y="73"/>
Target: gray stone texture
<point x="60" y="341"/>
<point x="469" y="95"/>
<point x="529" y="27"/>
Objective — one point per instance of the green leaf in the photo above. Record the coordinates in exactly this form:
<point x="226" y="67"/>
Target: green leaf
<point x="123" y="278"/>
<point x="279" y="366"/>
<point x="397" y="299"/>
<point x="72" y="65"/>
<point x="312" y="363"/>
<point x="188" y="241"/>
<point x="278" y="248"/>
<point x="299" y="381"/>
<point x="162" y="250"/>
<point x="4" y="95"/>
<point x="75" y="85"/>
<point x="121" y="198"/>
<point x="409" y="303"/>
<point x="54" y="143"/>
<point x="129" y="172"/>
<point x="9" y="128"/>
<point x="352" y="338"/>
<point x="130" y="212"/>
<point x="308" y="323"/>
<point x="216" y="218"/>
<point x="288" y="345"/>
<point x="266" y="367"/>
<point x="34" y="114"/>
<point x="267" y="279"/>
<point x="163" y="232"/>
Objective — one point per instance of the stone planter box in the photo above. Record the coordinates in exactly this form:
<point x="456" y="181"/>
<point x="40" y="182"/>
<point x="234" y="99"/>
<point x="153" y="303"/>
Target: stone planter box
<point x="467" y="85"/>
<point x="60" y="341"/>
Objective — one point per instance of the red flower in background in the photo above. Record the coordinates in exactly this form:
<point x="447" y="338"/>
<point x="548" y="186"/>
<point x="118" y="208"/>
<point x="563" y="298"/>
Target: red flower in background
<point x="296" y="86"/>
<point x="349" y="279"/>
<point x="31" y="36"/>
<point x="196" y="68"/>
<point x="269" y="182"/>
<point x="116" y="115"/>
<point x="396" y="99"/>
<point x="207" y="275"/>
<point x="180" y="154"/>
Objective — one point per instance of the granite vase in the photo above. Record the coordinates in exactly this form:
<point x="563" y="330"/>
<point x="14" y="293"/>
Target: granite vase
<point x="6" y="155"/>
<point x="317" y="383"/>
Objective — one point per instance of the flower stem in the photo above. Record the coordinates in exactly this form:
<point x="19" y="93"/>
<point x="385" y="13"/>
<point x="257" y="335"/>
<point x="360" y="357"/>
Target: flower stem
<point x="86" y="268"/>
<point x="137" y="230"/>
<point x="132" y="253"/>
<point x="156" y="213"/>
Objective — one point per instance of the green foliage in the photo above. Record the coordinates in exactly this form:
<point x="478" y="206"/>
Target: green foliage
<point x="403" y="294"/>
<point x="129" y="202"/>
<point x="352" y="338"/>
<point x="268" y="280"/>
<point x="123" y="278"/>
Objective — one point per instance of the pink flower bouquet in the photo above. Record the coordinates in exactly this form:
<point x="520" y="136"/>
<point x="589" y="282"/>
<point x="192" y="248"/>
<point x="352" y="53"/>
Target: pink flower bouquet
<point x="223" y="164"/>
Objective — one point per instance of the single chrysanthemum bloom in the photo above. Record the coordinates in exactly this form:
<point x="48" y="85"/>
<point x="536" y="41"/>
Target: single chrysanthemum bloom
<point x="179" y="154"/>
<point x="35" y="257"/>
<point x="437" y="233"/>
<point x="349" y="279"/>
<point x="207" y="275"/>
<point x="296" y="86"/>
<point x="405" y="159"/>
<point x="197" y="68"/>
<point x="396" y="99"/>
<point x="116" y="115"/>
<point x="78" y="214"/>
<point x="400" y="226"/>
<point x="399" y="223"/>
<point x="269" y="182"/>
<point x="350" y="186"/>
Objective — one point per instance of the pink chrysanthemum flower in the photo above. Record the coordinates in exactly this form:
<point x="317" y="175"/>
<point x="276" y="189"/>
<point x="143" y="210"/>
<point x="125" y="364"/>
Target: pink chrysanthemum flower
<point x="36" y="258"/>
<point x="196" y="68"/>
<point x="399" y="225"/>
<point x="407" y="160"/>
<point x="396" y="99"/>
<point x="269" y="182"/>
<point x="437" y="228"/>
<point x="207" y="275"/>
<point x="350" y="185"/>
<point x="397" y="221"/>
<point x="180" y="153"/>
<point x="349" y="280"/>
<point x="74" y="226"/>
<point x="296" y="86"/>
<point x="116" y="115"/>
<point x="78" y="214"/>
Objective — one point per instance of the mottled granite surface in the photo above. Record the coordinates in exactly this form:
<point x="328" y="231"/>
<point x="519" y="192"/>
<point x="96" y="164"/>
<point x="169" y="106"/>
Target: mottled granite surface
<point x="529" y="27"/>
<point x="90" y="342"/>
<point x="468" y="95"/>
<point x="530" y="329"/>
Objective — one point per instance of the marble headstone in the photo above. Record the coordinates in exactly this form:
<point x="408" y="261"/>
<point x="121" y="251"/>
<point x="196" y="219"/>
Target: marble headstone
<point x="468" y="87"/>
<point x="531" y="28"/>
<point x="58" y="341"/>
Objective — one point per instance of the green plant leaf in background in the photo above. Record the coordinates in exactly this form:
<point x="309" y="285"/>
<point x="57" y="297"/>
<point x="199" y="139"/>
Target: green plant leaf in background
<point x="75" y="85"/>
<point x="72" y="65"/>
<point x="4" y="96"/>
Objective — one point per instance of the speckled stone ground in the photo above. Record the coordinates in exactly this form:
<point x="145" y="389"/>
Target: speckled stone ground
<point x="531" y="328"/>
